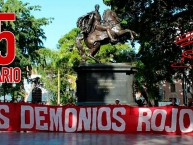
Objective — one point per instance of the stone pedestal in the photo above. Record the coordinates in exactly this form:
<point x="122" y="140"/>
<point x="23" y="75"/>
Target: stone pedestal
<point x="102" y="84"/>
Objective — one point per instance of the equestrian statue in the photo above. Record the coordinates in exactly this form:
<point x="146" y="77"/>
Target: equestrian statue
<point x="96" y="32"/>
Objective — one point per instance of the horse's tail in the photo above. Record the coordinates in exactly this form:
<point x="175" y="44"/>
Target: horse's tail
<point x="83" y="23"/>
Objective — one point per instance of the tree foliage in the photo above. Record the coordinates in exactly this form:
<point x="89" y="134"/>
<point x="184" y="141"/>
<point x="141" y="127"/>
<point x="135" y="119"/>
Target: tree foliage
<point x="28" y="32"/>
<point x="157" y="22"/>
<point x="116" y="53"/>
<point x="54" y="63"/>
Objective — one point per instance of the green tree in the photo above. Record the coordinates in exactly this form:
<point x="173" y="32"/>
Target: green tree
<point x="116" y="53"/>
<point x="56" y="66"/>
<point x="28" y="33"/>
<point x="68" y="49"/>
<point x="49" y="70"/>
<point x="157" y="23"/>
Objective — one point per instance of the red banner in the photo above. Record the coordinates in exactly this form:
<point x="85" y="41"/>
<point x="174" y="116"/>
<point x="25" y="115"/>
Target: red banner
<point x="99" y="119"/>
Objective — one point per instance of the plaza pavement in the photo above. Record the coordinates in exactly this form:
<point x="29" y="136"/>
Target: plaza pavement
<point x="51" y="138"/>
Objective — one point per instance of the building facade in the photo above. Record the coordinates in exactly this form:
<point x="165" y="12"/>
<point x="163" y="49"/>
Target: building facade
<point x="174" y="90"/>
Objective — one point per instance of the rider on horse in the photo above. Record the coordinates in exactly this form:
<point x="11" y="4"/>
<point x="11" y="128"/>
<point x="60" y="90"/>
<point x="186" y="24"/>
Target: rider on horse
<point x="94" y="33"/>
<point x="95" y="22"/>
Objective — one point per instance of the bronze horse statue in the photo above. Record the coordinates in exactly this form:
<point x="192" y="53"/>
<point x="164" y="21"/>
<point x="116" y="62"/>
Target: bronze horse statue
<point x="94" y="38"/>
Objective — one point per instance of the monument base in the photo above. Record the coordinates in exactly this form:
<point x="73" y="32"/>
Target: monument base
<point x="102" y="84"/>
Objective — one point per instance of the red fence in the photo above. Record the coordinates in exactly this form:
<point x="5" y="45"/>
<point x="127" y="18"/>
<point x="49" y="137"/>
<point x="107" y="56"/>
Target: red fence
<point x="100" y="119"/>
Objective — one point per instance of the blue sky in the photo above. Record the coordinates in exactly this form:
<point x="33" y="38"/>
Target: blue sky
<point x="65" y="14"/>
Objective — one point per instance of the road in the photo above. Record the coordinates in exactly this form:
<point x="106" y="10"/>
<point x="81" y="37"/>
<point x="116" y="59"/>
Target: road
<point x="42" y="138"/>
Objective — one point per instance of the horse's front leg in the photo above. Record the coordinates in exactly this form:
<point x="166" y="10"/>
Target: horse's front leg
<point x="131" y="34"/>
<point x="122" y="32"/>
